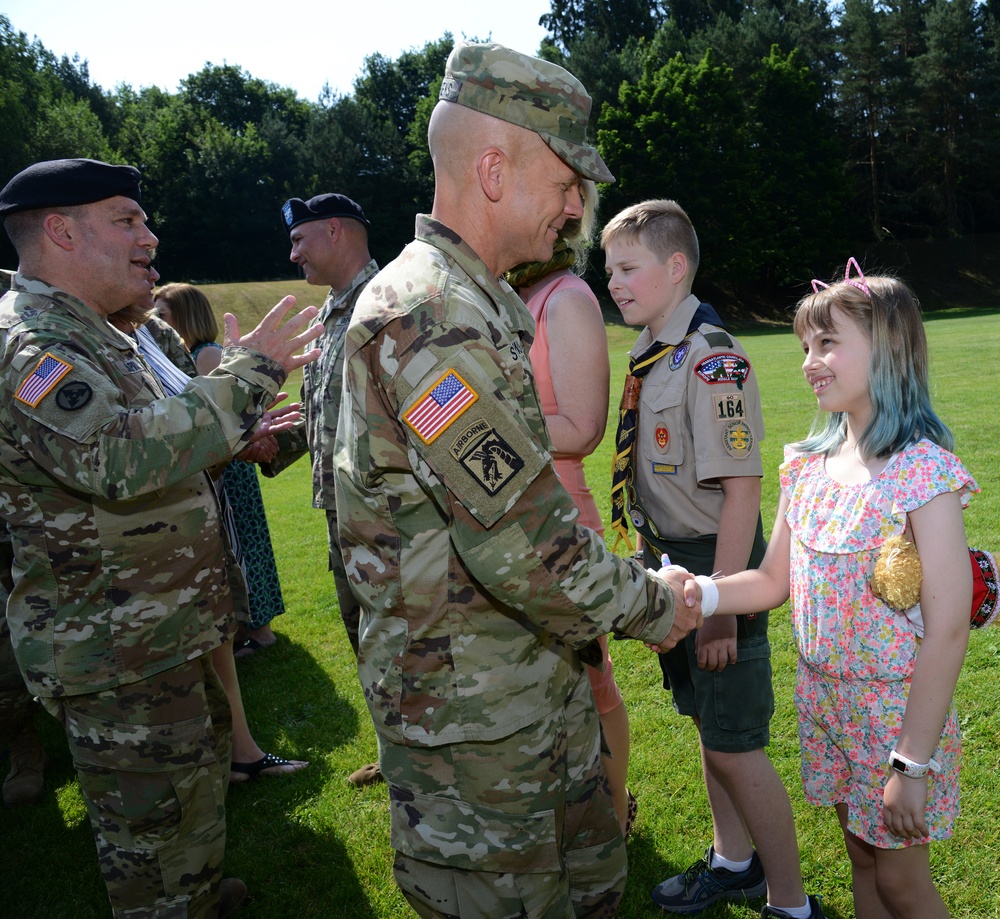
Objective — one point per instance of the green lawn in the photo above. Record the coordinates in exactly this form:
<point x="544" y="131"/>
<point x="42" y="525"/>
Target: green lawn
<point x="311" y="845"/>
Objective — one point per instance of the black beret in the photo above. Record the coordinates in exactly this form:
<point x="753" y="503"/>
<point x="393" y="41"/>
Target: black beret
<point x="64" y="183"/>
<point x="321" y="207"/>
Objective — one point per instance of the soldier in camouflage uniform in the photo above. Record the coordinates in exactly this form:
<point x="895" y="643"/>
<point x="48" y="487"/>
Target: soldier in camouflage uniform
<point x="25" y="779"/>
<point x="121" y="581"/>
<point x="329" y="236"/>
<point x="481" y="597"/>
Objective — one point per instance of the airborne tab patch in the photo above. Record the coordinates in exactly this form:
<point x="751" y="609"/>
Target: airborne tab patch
<point x="435" y="411"/>
<point x="42" y="380"/>
<point x="486" y="456"/>
<point x="724" y="368"/>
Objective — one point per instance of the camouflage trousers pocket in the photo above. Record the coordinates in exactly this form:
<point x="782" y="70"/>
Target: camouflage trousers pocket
<point x="471" y="837"/>
<point x="150" y="757"/>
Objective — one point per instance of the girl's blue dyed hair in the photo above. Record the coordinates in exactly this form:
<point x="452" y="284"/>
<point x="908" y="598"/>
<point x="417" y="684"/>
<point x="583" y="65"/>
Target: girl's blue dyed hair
<point x="897" y="375"/>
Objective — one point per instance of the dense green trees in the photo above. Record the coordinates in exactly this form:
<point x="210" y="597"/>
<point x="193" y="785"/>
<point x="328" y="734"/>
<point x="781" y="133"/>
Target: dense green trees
<point x="794" y="131"/>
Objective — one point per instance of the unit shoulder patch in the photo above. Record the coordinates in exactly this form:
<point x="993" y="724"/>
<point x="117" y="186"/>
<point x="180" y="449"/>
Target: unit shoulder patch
<point x="723" y="368"/>
<point x="486" y="456"/>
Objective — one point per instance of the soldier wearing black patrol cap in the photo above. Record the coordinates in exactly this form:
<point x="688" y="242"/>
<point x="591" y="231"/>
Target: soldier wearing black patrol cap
<point x="115" y="637"/>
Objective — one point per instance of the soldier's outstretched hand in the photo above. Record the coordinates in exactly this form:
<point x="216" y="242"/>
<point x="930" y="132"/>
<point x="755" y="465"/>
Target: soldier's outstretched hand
<point x="687" y="606"/>
<point x="278" y="341"/>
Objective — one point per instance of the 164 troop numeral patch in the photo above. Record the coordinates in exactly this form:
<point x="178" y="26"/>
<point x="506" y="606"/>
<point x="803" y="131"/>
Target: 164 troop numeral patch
<point x="729" y="407"/>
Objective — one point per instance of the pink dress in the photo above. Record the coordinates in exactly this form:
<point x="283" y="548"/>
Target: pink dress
<point x="570" y="468"/>
<point x="856" y="654"/>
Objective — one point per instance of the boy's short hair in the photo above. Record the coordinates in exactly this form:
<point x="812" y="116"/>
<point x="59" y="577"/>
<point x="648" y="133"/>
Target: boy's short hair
<point x="661" y="225"/>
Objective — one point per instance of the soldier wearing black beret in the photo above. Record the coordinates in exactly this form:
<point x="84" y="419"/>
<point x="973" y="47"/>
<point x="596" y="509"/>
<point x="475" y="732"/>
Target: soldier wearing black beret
<point x="121" y="588"/>
<point x="329" y="236"/>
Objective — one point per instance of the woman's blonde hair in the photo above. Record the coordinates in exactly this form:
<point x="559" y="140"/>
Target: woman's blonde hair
<point x="190" y="313"/>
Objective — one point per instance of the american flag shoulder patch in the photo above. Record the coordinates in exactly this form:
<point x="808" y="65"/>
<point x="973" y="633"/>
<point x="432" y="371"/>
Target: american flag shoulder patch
<point x="42" y="380"/>
<point x="437" y="408"/>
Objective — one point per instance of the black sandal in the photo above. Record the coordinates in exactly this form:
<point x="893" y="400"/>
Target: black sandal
<point x="244" y="772"/>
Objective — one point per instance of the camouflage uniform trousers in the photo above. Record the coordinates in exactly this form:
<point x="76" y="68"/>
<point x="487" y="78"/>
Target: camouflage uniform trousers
<point x="153" y="762"/>
<point x="350" y="609"/>
<point x="17" y="705"/>
<point x="520" y="827"/>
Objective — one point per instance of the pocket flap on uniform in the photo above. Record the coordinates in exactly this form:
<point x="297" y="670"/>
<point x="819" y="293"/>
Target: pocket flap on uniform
<point x="471" y="837"/>
<point x="660" y="398"/>
<point x="138" y="747"/>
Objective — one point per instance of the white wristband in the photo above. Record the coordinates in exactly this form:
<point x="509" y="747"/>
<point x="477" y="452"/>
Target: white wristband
<point x="709" y="594"/>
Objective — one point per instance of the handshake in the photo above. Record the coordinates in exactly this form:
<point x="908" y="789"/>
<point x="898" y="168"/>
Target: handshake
<point x="690" y="591"/>
<point x="709" y="590"/>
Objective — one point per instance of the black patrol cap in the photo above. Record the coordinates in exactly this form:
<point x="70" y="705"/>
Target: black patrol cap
<point x="65" y="183"/>
<point x="320" y="207"/>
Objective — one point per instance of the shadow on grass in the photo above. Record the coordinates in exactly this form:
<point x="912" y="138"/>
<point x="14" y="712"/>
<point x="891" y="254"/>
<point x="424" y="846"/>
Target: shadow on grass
<point x="280" y="839"/>
<point x="283" y="838"/>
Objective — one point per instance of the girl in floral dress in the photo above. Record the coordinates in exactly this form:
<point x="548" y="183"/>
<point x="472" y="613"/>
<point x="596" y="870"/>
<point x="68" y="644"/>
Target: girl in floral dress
<point x="877" y="725"/>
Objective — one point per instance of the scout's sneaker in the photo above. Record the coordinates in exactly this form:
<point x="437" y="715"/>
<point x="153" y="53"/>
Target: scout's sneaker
<point x="702" y="885"/>
<point x="26" y="780"/>
<point x="770" y="911"/>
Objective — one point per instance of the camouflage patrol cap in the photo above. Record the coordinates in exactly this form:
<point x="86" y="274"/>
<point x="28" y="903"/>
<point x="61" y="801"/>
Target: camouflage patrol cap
<point x="69" y="182"/>
<point x="526" y="91"/>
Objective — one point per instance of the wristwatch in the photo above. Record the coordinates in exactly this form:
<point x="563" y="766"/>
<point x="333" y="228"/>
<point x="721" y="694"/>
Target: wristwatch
<point x="910" y="768"/>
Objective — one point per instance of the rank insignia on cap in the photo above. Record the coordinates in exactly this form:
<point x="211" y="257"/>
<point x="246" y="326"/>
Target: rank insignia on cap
<point x="738" y="439"/>
<point x="724" y="368"/>
<point x="42" y="380"/>
<point x="440" y="406"/>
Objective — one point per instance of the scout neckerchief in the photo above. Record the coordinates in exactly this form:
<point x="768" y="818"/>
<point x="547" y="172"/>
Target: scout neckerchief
<point x="622" y="471"/>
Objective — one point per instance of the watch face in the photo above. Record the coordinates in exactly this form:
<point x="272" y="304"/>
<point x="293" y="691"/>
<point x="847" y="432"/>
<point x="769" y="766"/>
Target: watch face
<point x="898" y="765"/>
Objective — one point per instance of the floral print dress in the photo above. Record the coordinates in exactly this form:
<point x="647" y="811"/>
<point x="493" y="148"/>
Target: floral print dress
<point x="856" y="654"/>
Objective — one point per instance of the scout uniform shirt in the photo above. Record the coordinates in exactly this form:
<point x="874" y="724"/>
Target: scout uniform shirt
<point x="699" y="420"/>
<point x="119" y="567"/>
<point x="476" y="586"/>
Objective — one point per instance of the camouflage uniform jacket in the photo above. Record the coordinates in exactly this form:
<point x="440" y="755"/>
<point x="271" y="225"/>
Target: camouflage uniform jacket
<point x="120" y="568"/>
<point x="322" y="383"/>
<point x="477" y="588"/>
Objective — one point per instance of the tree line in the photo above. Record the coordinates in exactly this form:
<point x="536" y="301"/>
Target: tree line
<point x="793" y="132"/>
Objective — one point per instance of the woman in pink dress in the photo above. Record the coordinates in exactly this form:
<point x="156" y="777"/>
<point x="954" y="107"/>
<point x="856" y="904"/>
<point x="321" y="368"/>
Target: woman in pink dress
<point x="569" y="359"/>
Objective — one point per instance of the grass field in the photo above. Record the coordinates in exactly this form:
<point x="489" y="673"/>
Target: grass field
<point x="311" y="845"/>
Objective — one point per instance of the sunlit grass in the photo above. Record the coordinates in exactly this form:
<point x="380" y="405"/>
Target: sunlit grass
<point x="311" y="845"/>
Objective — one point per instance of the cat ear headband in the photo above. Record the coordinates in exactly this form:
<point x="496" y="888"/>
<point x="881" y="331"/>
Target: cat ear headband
<point x="859" y="282"/>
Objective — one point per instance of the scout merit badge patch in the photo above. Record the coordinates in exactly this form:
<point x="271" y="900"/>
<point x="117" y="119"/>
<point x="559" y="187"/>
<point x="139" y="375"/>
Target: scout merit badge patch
<point x="435" y="411"/>
<point x="42" y="380"/>
<point x="724" y="368"/>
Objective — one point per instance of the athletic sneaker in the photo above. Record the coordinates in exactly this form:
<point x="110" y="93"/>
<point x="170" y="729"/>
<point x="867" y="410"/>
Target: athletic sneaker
<point x="770" y="911"/>
<point x="702" y="885"/>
